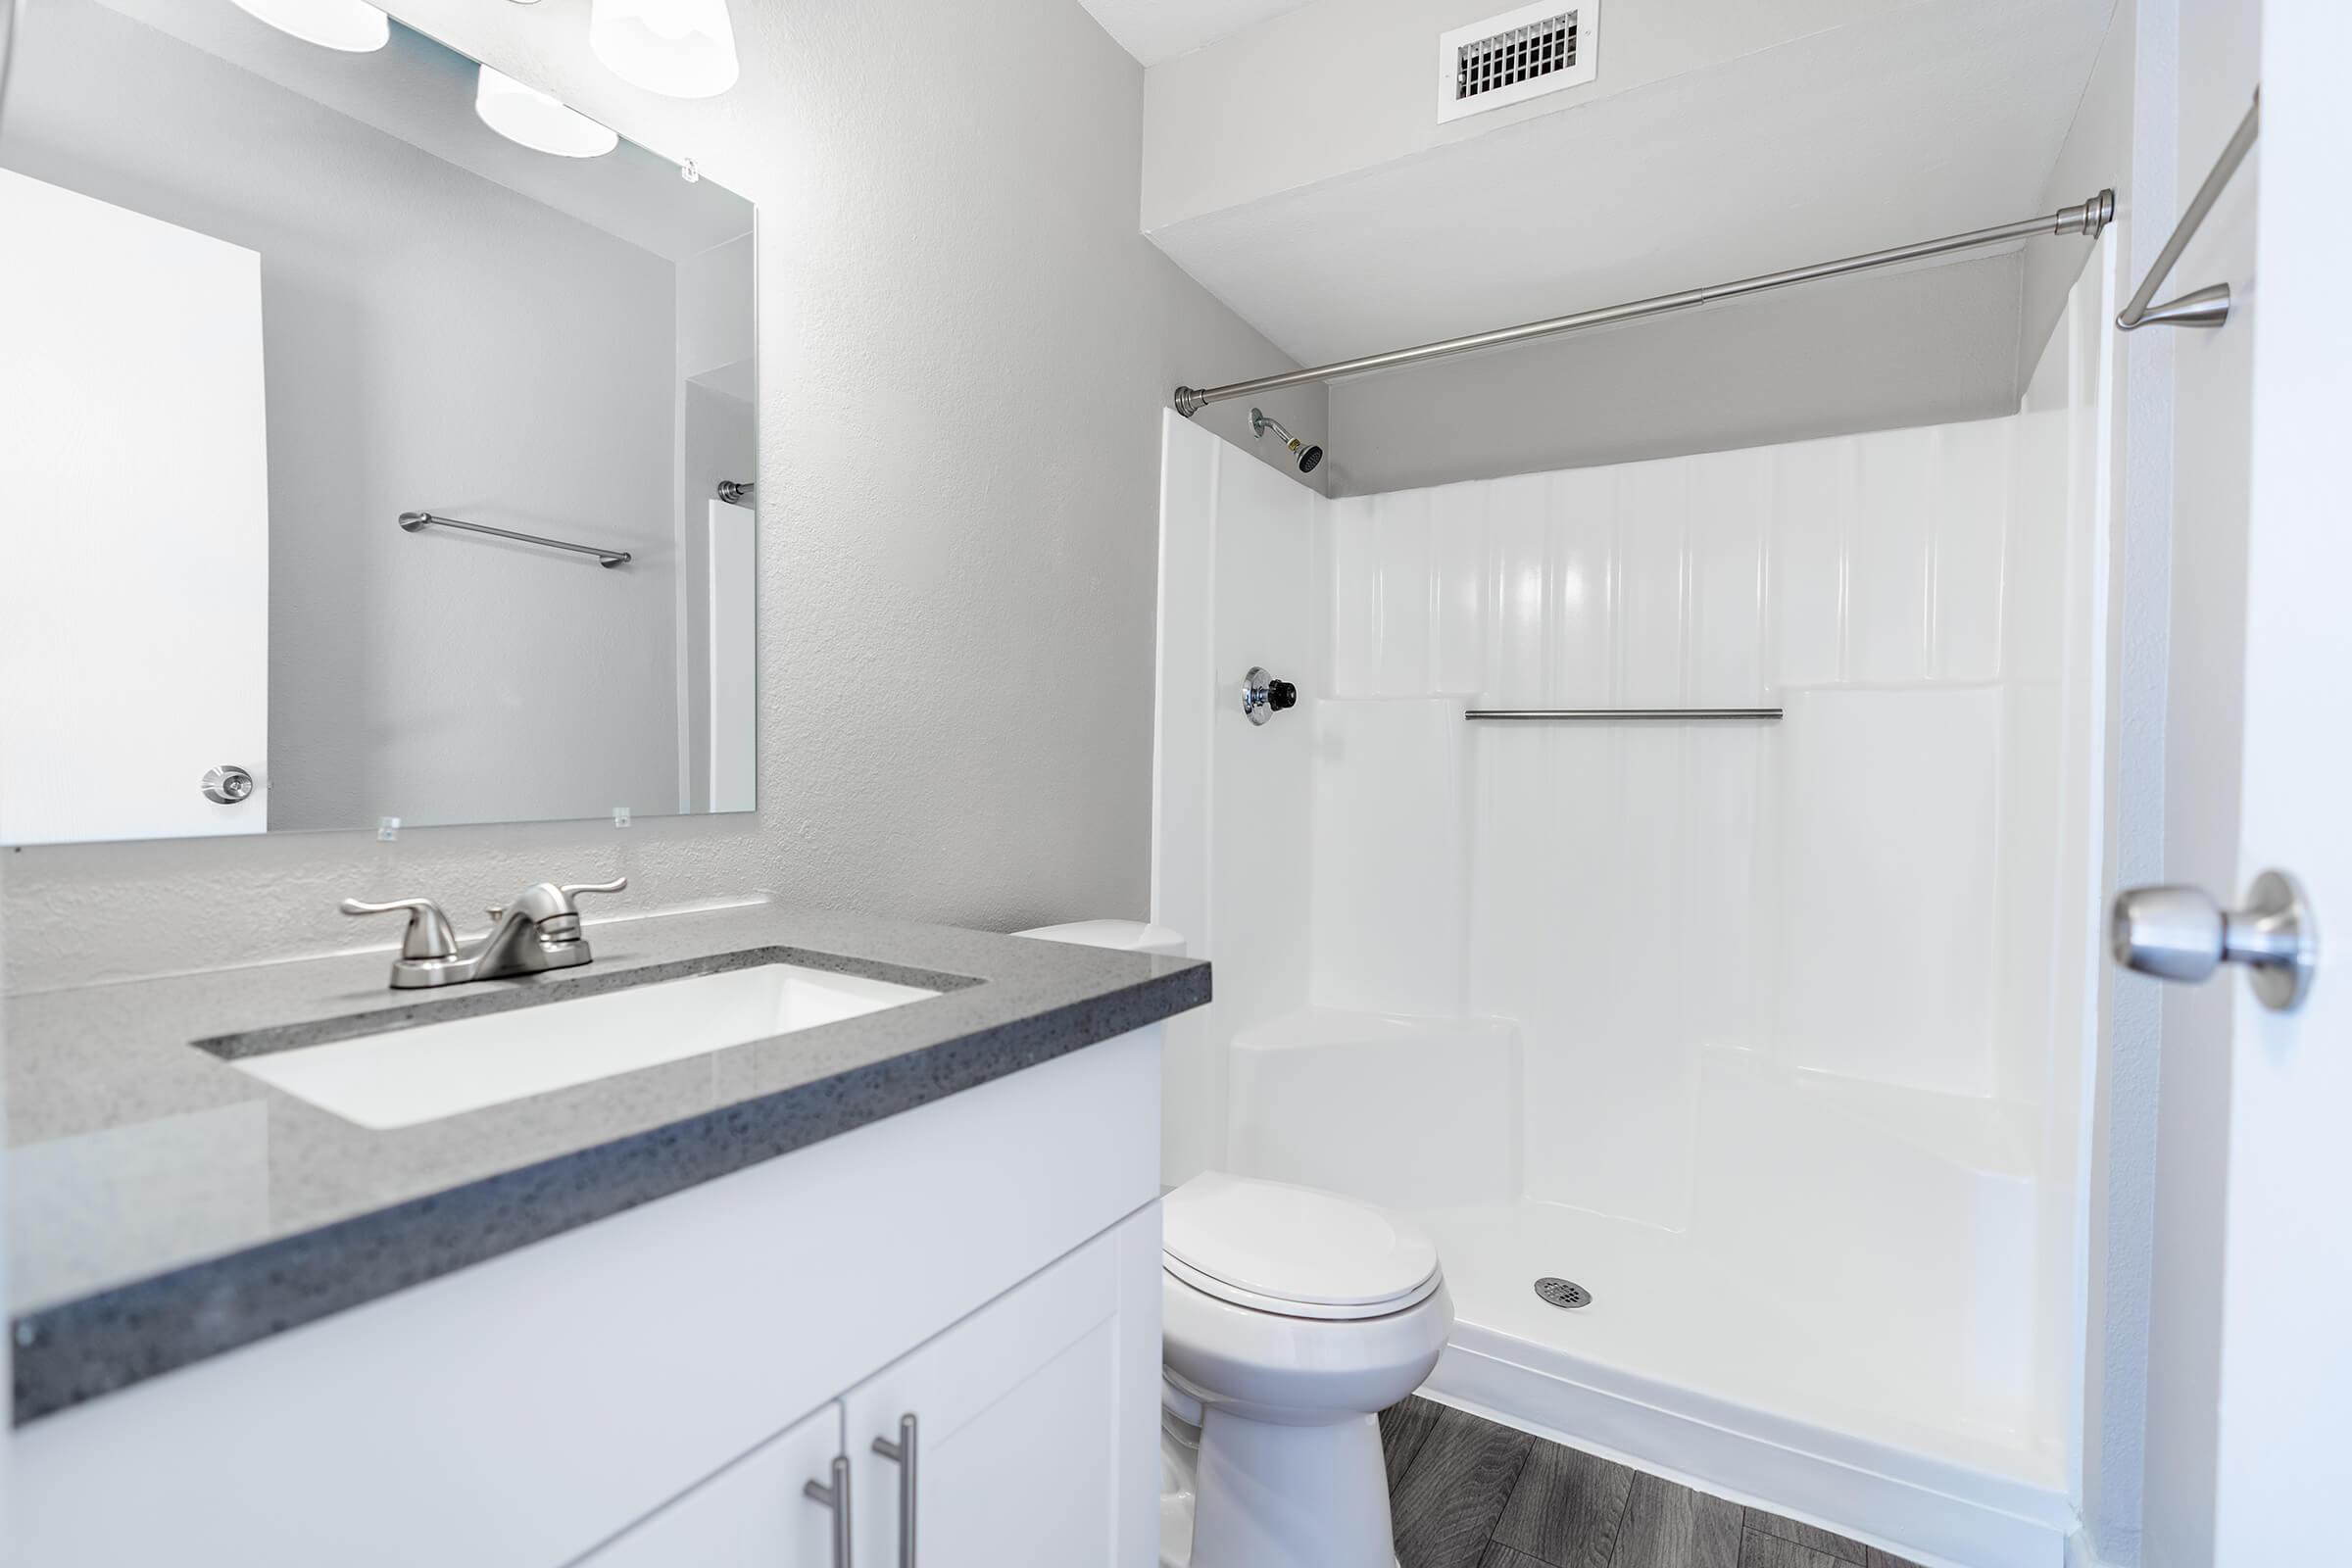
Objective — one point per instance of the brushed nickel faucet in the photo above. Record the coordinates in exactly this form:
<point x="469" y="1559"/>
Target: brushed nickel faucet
<point x="537" y="932"/>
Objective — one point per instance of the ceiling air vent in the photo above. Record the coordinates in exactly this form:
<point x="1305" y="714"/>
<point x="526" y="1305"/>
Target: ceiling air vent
<point x="1519" y="55"/>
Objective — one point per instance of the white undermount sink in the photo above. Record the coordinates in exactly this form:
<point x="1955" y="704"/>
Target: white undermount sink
<point x="407" y="1076"/>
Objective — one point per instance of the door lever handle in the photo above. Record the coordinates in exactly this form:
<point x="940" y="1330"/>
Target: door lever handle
<point x="2183" y="934"/>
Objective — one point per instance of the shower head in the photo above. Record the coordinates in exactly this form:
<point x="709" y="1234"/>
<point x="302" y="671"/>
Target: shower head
<point x="1309" y="458"/>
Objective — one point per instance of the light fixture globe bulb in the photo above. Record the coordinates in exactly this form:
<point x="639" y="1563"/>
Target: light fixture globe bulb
<point x="531" y="119"/>
<point x="678" y="48"/>
<point x="352" y="26"/>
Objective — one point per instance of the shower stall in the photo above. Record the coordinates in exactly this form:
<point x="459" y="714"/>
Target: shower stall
<point x="1675" y="886"/>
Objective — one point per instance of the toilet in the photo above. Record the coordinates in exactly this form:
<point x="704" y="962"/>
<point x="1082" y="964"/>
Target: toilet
<point x="1291" y="1317"/>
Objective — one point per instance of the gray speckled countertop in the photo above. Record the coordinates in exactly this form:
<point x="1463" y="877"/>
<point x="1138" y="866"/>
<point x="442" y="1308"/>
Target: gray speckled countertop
<point x="165" y="1206"/>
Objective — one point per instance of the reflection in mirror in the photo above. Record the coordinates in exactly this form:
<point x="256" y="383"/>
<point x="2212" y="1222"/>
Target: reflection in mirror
<point x="367" y="414"/>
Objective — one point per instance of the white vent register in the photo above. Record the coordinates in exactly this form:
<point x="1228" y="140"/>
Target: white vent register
<point x="1519" y="55"/>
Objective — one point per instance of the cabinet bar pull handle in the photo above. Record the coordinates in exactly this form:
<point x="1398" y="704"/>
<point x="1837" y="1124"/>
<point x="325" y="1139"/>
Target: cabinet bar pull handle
<point x="836" y="1498"/>
<point x="902" y="1452"/>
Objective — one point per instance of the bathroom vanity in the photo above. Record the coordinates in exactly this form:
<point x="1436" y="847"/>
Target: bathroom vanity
<point x="764" y="1237"/>
<point x="770" y="1303"/>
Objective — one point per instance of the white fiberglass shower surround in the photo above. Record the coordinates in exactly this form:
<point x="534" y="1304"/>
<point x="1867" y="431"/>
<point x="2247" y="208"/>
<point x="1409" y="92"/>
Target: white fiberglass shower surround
<point x="1773" y="1035"/>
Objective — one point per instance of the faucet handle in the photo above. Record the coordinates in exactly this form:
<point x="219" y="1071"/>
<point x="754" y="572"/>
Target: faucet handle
<point x="428" y="934"/>
<point x="563" y="927"/>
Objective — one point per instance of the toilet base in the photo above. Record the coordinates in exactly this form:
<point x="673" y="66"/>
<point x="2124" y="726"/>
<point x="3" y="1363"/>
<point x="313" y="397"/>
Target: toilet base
<point x="1285" y="1496"/>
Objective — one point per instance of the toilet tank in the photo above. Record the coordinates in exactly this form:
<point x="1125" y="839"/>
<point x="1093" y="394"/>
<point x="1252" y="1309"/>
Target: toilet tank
<point x="1127" y="936"/>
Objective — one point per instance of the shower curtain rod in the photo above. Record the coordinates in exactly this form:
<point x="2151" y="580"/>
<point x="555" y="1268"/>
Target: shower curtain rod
<point x="2084" y="217"/>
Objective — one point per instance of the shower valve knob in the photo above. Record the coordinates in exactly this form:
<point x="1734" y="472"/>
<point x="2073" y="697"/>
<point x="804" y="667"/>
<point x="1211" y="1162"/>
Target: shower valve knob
<point x="1263" y="696"/>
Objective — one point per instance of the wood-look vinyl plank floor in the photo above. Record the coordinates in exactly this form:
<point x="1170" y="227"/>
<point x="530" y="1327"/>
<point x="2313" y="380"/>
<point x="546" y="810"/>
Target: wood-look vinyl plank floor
<point x="1454" y="1489"/>
<point x="1667" y="1525"/>
<point x="1469" y="1493"/>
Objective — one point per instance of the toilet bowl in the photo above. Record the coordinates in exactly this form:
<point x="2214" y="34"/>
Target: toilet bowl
<point x="1290" y="1318"/>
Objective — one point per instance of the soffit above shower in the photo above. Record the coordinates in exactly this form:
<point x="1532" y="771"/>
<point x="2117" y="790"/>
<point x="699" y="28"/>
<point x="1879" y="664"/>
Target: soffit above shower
<point x="1300" y="171"/>
<point x="1154" y="31"/>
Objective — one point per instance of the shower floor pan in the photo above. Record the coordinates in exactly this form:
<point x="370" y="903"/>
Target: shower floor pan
<point x="1854" y="1307"/>
<point x="1792" y="1389"/>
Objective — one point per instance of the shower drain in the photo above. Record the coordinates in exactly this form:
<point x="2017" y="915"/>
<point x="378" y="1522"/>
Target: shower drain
<point x="1566" y="1294"/>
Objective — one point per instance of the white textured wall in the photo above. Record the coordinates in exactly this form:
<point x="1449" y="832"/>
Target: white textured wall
<point x="966" y="348"/>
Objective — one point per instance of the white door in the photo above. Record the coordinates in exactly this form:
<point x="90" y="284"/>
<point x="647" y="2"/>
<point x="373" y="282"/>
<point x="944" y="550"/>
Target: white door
<point x="1035" y="1424"/>
<point x="757" y="1513"/>
<point x="2249" y="1419"/>
<point x="134" y="523"/>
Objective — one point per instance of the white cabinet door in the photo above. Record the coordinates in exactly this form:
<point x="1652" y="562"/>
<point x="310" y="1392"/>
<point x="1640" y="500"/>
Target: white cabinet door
<point x="1036" y="1423"/>
<point x="756" y="1513"/>
<point x="135" y="517"/>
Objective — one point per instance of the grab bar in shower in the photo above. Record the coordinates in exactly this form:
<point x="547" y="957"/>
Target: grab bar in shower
<point x="2204" y="307"/>
<point x="1611" y="715"/>
<point x="411" y="521"/>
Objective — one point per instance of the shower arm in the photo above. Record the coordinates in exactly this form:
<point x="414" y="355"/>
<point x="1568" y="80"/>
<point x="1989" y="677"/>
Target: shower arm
<point x="1260" y="424"/>
<point x="2084" y="217"/>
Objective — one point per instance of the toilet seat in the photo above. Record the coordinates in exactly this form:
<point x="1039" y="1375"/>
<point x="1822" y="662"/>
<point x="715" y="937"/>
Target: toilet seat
<point x="1317" y="1312"/>
<point x="1288" y="1317"/>
<point x="1293" y="1251"/>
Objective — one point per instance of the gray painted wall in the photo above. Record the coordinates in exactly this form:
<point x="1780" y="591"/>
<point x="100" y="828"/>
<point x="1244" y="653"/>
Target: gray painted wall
<point x="1874" y="352"/>
<point x="966" y="346"/>
<point x="410" y="675"/>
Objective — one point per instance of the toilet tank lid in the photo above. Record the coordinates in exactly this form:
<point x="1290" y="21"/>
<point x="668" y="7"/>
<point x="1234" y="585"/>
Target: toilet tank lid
<point x="1129" y="936"/>
<point x="1294" y="1243"/>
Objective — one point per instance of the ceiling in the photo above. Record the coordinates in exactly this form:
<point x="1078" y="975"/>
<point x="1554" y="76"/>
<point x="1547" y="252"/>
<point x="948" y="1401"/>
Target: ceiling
<point x="1154" y="31"/>
<point x="1927" y="118"/>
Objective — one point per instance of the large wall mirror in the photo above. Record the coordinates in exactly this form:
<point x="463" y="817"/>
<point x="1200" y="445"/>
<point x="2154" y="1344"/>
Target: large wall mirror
<point x="378" y="442"/>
